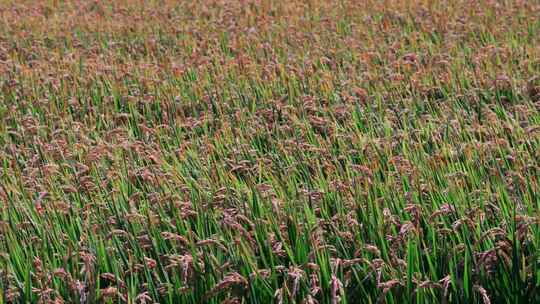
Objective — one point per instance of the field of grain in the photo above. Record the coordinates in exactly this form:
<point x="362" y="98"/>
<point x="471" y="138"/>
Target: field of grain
<point x="257" y="151"/>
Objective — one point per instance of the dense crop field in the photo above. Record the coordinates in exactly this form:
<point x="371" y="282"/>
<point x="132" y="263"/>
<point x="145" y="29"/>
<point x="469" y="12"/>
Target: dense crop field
<point x="269" y="151"/>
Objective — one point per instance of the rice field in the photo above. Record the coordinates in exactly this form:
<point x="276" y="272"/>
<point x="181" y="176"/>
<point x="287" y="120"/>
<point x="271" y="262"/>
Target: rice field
<point x="257" y="151"/>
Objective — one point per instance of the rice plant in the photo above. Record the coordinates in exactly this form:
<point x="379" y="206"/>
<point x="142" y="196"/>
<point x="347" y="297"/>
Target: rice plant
<point x="257" y="151"/>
